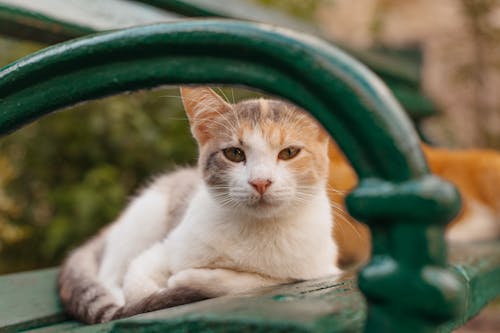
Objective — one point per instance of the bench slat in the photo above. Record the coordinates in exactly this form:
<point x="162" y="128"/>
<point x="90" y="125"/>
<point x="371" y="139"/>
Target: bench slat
<point x="311" y="306"/>
<point x="479" y="264"/>
<point x="29" y="300"/>
<point x="89" y="15"/>
<point x="59" y="327"/>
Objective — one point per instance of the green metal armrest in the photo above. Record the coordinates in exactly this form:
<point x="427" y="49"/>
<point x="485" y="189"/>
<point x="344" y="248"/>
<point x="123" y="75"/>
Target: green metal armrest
<point x="53" y="21"/>
<point x="405" y="207"/>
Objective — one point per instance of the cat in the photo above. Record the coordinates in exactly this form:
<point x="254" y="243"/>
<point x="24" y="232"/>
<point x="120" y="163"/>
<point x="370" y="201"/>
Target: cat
<point x="254" y="213"/>
<point x="475" y="173"/>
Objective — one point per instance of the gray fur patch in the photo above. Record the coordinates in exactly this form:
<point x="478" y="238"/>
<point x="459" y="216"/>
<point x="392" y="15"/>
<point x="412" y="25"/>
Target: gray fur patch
<point x="277" y="111"/>
<point x="248" y="111"/>
<point x="179" y="188"/>
<point x="83" y="297"/>
<point x="215" y="168"/>
<point x="163" y="299"/>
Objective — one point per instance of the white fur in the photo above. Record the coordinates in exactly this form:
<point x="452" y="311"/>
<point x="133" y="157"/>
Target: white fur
<point x="143" y="223"/>
<point x="481" y="224"/>
<point x="297" y="246"/>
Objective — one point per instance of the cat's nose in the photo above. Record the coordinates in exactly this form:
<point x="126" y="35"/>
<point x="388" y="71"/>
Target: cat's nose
<point x="261" y="185"/>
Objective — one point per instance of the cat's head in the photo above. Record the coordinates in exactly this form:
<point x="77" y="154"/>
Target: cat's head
<point x="261" y="157"/>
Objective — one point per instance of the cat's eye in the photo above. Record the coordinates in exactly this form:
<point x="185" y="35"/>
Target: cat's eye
<point x="288" y="153"/>
<point x="234" y="154"/>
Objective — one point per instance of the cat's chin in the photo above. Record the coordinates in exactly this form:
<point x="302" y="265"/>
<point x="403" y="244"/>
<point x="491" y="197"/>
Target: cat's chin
<point x="264" y="210"/>
<point x="263" y="214"/>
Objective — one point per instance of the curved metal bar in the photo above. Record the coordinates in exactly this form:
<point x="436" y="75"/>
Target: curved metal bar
<point x="339" y="91"/>
<point x="351" y="102"/>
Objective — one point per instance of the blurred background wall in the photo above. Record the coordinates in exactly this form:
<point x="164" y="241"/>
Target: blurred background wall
<point x="460" y="42"/>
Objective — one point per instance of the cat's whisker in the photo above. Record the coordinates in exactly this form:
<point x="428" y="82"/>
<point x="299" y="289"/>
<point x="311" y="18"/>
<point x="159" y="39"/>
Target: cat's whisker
<point x="301" y="200"/>
<point x="171" y="96"/>
<point x="227" y="201"/>
<point x="349" y="223"/>
<point x="230" y="127"/>
<point x="332" y="189"/>
<point x="227" y="126"/>
<point x="222" y="93"/>
<point x="176" y="118"/>
<point x="338" y="210"/>
<point x="227" y="120"/>
<point x="306" y="193"/>
<point x="341" y="213"/>
<point x="232" y="94"/>
<point x="222" y="186"/>
<point x="328" y="188"/>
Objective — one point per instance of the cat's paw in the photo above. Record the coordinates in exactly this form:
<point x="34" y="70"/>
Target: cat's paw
<point x="214" y="281"/>
<point x="117" y="294"/>
<point x="219" y="281"/>
<point x="186" y="278"/>
<point x="137" y="286"/>
<point x="195" y="278"/>
<point x="334" y="270"/>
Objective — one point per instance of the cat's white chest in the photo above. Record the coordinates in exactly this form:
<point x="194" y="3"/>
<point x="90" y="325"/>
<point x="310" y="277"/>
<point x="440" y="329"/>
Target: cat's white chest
<point x="299" y="247"/>
<point x="286" y="252"/>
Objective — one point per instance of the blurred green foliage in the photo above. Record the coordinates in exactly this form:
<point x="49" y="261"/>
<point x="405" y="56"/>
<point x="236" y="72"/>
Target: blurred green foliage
<point x="65" y="176"/>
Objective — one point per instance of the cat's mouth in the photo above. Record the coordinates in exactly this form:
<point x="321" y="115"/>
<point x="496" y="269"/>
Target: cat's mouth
<point x="257" y="203"/>
<point x="264" y="207"/>
<point x="263" y="202"/>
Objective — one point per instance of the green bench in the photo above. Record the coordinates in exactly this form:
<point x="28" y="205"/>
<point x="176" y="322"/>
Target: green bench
<point x="409" y="285"/>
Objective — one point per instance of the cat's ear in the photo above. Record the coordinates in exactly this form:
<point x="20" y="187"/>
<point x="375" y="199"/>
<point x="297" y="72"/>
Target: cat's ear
<point x="202" y="105"/>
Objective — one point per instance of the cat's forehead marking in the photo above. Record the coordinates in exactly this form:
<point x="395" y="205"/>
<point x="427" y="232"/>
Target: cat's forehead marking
<point x="279" y="123"/>
<point x="248" y="112"/>
<point x="263" y="111"/>
<point x="264" y="107"/>
<point x="276" y="121"/>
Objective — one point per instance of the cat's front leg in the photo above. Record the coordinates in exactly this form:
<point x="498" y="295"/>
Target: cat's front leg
<point x="146" y="274"/>
<point x="218" y="281"/>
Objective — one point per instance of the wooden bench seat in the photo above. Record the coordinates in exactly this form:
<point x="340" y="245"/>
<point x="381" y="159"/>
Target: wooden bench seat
<point x="29" y="303"/>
